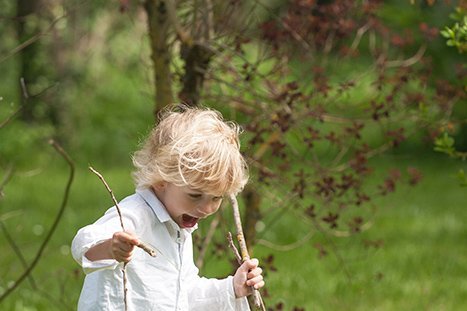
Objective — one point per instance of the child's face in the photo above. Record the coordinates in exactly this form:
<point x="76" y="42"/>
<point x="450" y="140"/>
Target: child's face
<point x="186" y="206"/>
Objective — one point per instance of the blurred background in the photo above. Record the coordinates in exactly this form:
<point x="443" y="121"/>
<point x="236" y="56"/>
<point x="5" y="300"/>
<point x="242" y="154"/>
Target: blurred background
<point x="354" y="116"/>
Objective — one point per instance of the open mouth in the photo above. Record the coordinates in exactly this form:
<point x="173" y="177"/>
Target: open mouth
<point x="189" y="221"/>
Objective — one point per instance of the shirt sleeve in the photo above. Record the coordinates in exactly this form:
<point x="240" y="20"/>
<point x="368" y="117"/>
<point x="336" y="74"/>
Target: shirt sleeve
<point x="97" y="233"/>
<point x="215" y="294"/>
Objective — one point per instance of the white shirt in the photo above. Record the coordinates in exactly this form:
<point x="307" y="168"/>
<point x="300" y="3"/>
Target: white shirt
<point x="169" y="281"/>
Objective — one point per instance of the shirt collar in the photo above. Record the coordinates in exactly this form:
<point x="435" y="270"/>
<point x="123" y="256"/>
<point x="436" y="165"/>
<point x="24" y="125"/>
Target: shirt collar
<point x="158" y="208"/>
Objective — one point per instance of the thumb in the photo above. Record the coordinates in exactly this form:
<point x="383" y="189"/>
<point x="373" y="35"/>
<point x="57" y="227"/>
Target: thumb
<point x="130" y="238"/>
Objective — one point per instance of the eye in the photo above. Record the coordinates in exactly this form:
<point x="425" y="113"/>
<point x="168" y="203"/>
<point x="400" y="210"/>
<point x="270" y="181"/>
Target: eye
<point x="195" y="195"/>
<point x="217" y="198"/>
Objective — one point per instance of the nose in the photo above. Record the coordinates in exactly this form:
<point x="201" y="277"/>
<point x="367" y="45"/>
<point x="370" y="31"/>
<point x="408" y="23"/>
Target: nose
<point x="208" y="208"/>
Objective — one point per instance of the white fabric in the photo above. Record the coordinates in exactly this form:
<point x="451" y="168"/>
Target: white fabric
<point x="169" y="281"/>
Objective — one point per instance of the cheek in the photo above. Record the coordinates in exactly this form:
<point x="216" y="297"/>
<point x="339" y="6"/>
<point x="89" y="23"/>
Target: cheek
<point x="212" y="208"/>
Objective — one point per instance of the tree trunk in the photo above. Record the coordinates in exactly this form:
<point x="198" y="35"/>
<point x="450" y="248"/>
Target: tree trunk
<point x="196" y="57"/>
<point x="158" y="24"/>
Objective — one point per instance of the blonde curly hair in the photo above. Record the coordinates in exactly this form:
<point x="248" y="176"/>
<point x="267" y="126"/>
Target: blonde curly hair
<point x="192" y="147"/>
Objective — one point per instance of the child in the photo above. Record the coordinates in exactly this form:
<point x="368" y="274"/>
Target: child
<point x="189" y="162"/>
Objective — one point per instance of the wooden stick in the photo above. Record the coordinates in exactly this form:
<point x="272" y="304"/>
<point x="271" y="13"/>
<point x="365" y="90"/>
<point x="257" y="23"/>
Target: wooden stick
<point x="145" y="247"/>
<point x="234" y="248"/>
<point x="259" y="304"/>
<point x="141" y="245"/>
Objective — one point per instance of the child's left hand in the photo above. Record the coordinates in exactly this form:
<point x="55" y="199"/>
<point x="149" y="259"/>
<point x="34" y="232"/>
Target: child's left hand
<point x="248" y="275"/>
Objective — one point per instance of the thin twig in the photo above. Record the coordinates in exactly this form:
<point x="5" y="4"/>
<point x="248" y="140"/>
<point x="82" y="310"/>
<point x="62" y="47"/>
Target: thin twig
<point x="287" y="247"/>
<point x="111" y="195"/>
<point x="144" y="246"/>
<point x="33" y="39"/>
<point x="26" y="273"/>
<point x="243" y="249"/>
<point x="10" y="117"/>
<point x="141" y="245"/>
<point x="18" y="252"/>
<point x="125" y="289"/>
<point x="234" y="248"/>
<point x="24" y="89"/>
<point x="410" y="61"/>
<point x="207" y="240"/>
<point x="6" y="179"/>
<point x="182" y="35"/>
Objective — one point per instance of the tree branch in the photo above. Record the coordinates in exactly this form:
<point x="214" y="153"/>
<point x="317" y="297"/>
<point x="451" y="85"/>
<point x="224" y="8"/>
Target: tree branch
<point x="237" y="255"/>
<point x="207" y="240"/>
<point x="58" y="217"/>
<point x="31" y="40"/>
<point x="243" y="249"/>
<point x="410" y="61"/>
<point x="145" y="247"/>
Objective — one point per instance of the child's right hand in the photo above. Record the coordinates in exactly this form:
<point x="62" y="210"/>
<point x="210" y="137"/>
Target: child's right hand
<point x="122" y="245"/>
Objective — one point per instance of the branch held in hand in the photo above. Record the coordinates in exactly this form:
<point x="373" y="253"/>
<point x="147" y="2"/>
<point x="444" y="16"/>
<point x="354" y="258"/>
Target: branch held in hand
<point x="145" y="247"/>
<point x="243" y="249"/>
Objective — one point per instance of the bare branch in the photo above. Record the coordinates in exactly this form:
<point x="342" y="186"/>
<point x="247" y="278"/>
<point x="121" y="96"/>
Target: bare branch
<point x="182" y="35"/>
<point x="119" y="211"/>
<point x="207" y="240"/>
<point x="18" y="252"/>
<point x="243" y="249"/>
<point x="6" y="179"/>
<point x="31" y="40"/>
<point x="148" y="249"/>
<point x="305" y="44"/>
<point x="288" y="247"/>
<point x="361" y="31"/>
<point x="410" y="61"/>
<point x="238" y="257"/>
<point x="58" y="217"/>
<point x="10" y="117"/>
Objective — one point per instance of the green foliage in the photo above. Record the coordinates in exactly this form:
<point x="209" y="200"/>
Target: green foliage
<point x="456" y="34"/>
<point x="107" y="99"/>
<point x="21" y="142"/>
<point x="445" y="144"/>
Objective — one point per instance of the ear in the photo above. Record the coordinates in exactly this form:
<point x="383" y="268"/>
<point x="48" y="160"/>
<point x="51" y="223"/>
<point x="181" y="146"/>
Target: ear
<point x="159" y="186"/>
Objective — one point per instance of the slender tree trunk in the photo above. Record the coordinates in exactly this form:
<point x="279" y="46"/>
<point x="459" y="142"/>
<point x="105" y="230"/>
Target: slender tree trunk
<point x="158" y="24"/>
<point x="196" y="57"/>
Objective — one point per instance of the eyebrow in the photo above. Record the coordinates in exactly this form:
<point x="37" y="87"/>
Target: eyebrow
<point x="195" y="190"/>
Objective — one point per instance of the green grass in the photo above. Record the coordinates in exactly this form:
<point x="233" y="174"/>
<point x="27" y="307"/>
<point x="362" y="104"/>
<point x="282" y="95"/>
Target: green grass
<point x="420" y="266"/>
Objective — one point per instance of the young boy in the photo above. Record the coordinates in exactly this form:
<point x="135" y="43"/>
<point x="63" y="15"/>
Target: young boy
<point x="188" y="163"/>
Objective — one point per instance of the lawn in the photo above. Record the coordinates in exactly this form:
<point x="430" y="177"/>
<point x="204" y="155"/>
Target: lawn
<point x="412" y="257"/>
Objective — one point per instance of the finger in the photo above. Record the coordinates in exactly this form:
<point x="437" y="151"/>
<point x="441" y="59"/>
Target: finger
<point x="255" y="280"/>
<point x="259" y="285"/>
<point x="127" y="237"/>
<point x="250" y="264"/>
<point x="124" y="256"/>
<point x="255" y="272"/>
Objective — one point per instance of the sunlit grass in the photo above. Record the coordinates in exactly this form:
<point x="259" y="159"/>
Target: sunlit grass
<point x="420" y="266"/>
